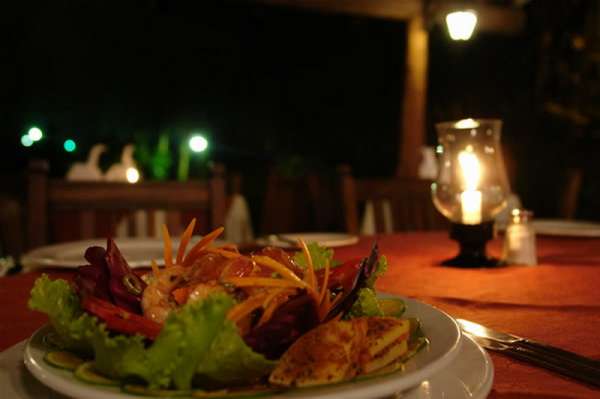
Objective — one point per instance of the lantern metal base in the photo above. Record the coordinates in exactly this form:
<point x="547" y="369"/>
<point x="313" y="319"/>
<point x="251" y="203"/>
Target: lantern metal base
<point x="472" y="240"/>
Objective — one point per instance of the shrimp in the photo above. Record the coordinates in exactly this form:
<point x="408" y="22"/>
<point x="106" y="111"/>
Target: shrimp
<point x="201" y="291"/>
<point x="157" y="301"/>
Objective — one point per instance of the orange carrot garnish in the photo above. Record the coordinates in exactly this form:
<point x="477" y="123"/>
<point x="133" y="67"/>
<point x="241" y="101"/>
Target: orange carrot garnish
<point x="277" y="267"/>
<point x="263" y="282"/>
<point x="168" y="252"/>
<point x="155" y="270"/>
<point x="201" y="245"/>
<point x="243" y="308"/>
<point x="185" y="240"/>
<point x="324" y="283"/>
<point x="224" y="253"/>
<point x="181" y="294"/>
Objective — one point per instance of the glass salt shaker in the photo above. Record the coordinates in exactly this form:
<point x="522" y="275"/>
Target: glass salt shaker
<point x="519" y="240"/>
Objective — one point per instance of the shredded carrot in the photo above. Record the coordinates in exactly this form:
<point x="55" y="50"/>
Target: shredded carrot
<point x="337" y="300"/>
<point x="185" y="240"/>
<point x="155" y="270"/>
<point x="262" y="282"/>
<point x="201" y="245"/>
<point x="230" y="247"/>
<point x="309" y="276"/>
<point x="324" y="307"/>
<point x="278" y="267"/>
<point x="224" y="253"/>
<point x="324" y="283"/>
<point x="243" y="308"/>
<point x="337" y="317"/>
<point x="272" y="306"/>
<point x="181" y="294"/>
<point x="272" y="294"/>
<point x="168" y="252"/>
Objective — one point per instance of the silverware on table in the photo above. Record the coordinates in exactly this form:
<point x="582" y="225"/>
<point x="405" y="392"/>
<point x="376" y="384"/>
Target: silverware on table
<point x="555" y="359"/>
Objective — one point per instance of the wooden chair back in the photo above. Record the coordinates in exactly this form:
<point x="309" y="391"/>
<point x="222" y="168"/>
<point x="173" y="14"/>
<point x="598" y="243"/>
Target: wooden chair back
<point x="297" y="204"/>
<point x="399" y="204"/>
<point x="60" y="210"/>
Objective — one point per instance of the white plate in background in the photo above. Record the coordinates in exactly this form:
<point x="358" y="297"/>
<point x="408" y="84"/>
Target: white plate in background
<point x="138" y="252"/>
<point x="330" y="240"/>
<point x="566" y="228"/>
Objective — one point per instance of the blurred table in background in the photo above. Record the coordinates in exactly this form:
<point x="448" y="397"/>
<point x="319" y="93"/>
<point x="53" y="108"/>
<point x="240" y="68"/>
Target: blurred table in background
<point x="556" y="302"/>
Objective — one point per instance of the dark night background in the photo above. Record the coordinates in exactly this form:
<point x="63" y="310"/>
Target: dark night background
<point x="276" y="86"/>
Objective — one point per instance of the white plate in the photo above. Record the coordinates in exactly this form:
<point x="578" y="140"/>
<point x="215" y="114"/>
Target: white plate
<point x="566" y="228"/>
<point x="469" y="376"/>
<point x="441" y="329"/>
<point x="139" y="252"/>
<point x="325" y="239"/>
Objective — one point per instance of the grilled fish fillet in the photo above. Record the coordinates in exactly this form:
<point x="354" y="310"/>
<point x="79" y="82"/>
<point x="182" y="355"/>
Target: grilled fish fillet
<point x="340" y="350"/>
<point x="324" y="355"/>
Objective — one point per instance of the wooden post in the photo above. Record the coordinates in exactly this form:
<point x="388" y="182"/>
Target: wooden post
<point x="218" y="207"/>
<point x="413" y="128"/>
<point x="349" y="201"/>
<point x="37" y="212"/>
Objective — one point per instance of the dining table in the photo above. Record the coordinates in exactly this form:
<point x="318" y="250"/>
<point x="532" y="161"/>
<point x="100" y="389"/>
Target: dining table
<point x="556" y="302"/>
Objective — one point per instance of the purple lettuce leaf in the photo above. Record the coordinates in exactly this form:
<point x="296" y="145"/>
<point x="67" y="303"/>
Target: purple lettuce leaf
<point x="125" y="286"/>
<point x="288" y="323"/>
<point x="93" y="279"/>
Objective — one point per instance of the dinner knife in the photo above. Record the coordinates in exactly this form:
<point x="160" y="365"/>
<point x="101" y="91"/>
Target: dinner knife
<point x="513" y="340"/>
<point x="576" y="372"/>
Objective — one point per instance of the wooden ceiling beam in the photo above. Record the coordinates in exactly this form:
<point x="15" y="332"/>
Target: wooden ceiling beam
<point x="491" y="18"/>
<point x="389" y="9"/>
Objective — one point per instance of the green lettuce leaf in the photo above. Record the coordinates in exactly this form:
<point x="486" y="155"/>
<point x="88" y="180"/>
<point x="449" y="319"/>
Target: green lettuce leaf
<point x="183" y="342"/>
<point x="231" y="361"/>
<point x="60" y="302"/>
<point x="319" y="255"/>
<point x="195" y="339"/>
<point x="380" y="269"/>
<point x="365" y="305"/>
<point x="119" y="356"/>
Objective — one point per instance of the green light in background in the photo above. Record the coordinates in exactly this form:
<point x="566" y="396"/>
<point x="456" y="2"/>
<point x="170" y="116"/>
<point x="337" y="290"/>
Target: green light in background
<point x="35" y="134"/>
<point x="198" y="143"/>
<point x="26" y="140"/>
<point x="69" y="145"/>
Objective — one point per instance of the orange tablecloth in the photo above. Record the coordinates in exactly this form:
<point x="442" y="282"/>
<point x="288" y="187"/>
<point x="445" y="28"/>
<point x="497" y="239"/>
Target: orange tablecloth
<point x="557" y="302"/>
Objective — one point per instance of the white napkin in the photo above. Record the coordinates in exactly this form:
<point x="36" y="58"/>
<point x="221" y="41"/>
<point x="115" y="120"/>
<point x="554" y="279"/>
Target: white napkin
<point x="238" y="223"/>
<point x="368" y="221"/>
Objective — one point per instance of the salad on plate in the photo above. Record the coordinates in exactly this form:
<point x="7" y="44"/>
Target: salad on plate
<point x="214" y="321"/>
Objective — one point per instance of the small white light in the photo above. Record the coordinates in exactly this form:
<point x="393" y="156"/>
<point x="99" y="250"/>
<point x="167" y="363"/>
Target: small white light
<point x="198" y="143"/>
<point x="461" y="24"/>
<point x="133" y="176"/>
<point x="26" y="140"/>
<point x="35" y="134"/>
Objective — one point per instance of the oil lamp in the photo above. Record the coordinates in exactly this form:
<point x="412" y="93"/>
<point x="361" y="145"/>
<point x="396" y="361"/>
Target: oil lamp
<point x="471" y="187"/>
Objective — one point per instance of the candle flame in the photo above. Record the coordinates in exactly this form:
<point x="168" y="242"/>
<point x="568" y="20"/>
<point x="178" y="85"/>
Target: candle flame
<point x="469" y="123"/>
<point x="470" y="167"/>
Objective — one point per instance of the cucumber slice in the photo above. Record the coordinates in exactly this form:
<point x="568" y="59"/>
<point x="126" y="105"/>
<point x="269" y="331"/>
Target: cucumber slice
<point x="52" y="340"/>
<point x="145" y="391"/>
<point x="63" y="360"/>
<point x="392" y="307"/>
<point x="87" y="373"/>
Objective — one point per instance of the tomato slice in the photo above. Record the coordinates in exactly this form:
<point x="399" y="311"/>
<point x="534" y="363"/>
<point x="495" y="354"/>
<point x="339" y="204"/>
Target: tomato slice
<point x="119" y="319"/>
<point x="341" y="276"/>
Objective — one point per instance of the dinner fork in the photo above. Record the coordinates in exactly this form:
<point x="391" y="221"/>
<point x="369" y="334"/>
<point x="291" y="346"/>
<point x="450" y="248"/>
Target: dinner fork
<point x="545" y="360"/>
